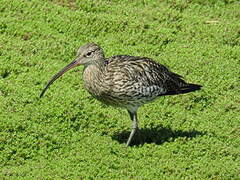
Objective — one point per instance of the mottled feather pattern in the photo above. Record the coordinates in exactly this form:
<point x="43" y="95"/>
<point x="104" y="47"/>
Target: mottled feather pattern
<point x="144" y="74"/>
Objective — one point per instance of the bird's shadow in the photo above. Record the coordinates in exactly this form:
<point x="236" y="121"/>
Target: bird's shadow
<point x="157" y="135"/>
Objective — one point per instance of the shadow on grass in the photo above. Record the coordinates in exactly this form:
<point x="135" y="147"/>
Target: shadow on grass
<point x="157" y="135"/>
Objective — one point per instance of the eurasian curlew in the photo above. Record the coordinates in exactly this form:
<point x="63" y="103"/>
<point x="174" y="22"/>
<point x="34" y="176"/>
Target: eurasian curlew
<point x="125" y="81"/>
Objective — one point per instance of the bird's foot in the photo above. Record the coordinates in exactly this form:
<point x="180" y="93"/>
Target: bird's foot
<point x="135" y="131"/>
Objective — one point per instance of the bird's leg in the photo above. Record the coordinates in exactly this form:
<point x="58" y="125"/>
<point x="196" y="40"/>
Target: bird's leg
<point x="135" y="129"/>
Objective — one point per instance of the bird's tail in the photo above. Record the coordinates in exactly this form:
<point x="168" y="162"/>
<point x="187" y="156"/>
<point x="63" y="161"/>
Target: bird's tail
<point x="189" y="88"/>
<point x="186" y="88"/>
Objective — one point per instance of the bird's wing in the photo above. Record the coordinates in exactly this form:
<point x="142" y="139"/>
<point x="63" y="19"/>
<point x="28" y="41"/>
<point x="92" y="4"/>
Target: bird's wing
<point x="142" y="76"/>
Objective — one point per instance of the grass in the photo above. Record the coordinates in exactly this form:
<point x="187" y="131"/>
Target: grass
<point x="70" y="135"/>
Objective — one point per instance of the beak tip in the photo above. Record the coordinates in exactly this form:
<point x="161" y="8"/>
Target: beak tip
<point x="41" y="95"/>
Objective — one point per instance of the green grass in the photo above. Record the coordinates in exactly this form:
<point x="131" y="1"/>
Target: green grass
<point x="70" y="135"/>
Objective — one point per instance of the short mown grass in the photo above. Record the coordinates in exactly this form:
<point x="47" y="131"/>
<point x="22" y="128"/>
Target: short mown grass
<point x="70" y="135"/>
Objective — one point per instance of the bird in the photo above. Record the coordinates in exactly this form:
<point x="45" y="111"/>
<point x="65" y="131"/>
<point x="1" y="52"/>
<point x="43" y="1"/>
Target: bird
<point x="125" y="81"/>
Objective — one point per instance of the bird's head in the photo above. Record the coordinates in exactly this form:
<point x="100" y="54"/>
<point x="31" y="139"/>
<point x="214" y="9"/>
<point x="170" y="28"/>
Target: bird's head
<point x="88" y="54"/>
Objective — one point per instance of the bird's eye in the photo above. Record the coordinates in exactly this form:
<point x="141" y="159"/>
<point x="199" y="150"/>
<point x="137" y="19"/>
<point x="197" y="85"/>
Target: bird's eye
<point x="88" y="54"/>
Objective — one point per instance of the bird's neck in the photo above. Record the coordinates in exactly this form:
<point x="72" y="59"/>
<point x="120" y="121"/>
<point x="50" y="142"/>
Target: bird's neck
<point x="100" y="64"/>
<point x="92" y="77"/>
<point x="93" y="70"/>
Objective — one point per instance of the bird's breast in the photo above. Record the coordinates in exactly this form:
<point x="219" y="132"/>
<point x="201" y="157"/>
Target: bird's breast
<point x="93" y="81"/>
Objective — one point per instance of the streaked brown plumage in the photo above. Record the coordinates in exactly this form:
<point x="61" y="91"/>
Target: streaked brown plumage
<point x="125" y="81"/>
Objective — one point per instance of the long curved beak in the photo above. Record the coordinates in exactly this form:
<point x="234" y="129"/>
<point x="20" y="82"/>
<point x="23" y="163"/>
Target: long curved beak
<point x="59" y="74"/>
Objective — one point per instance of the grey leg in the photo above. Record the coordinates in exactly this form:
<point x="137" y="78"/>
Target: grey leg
<point x="135" y="129"/>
